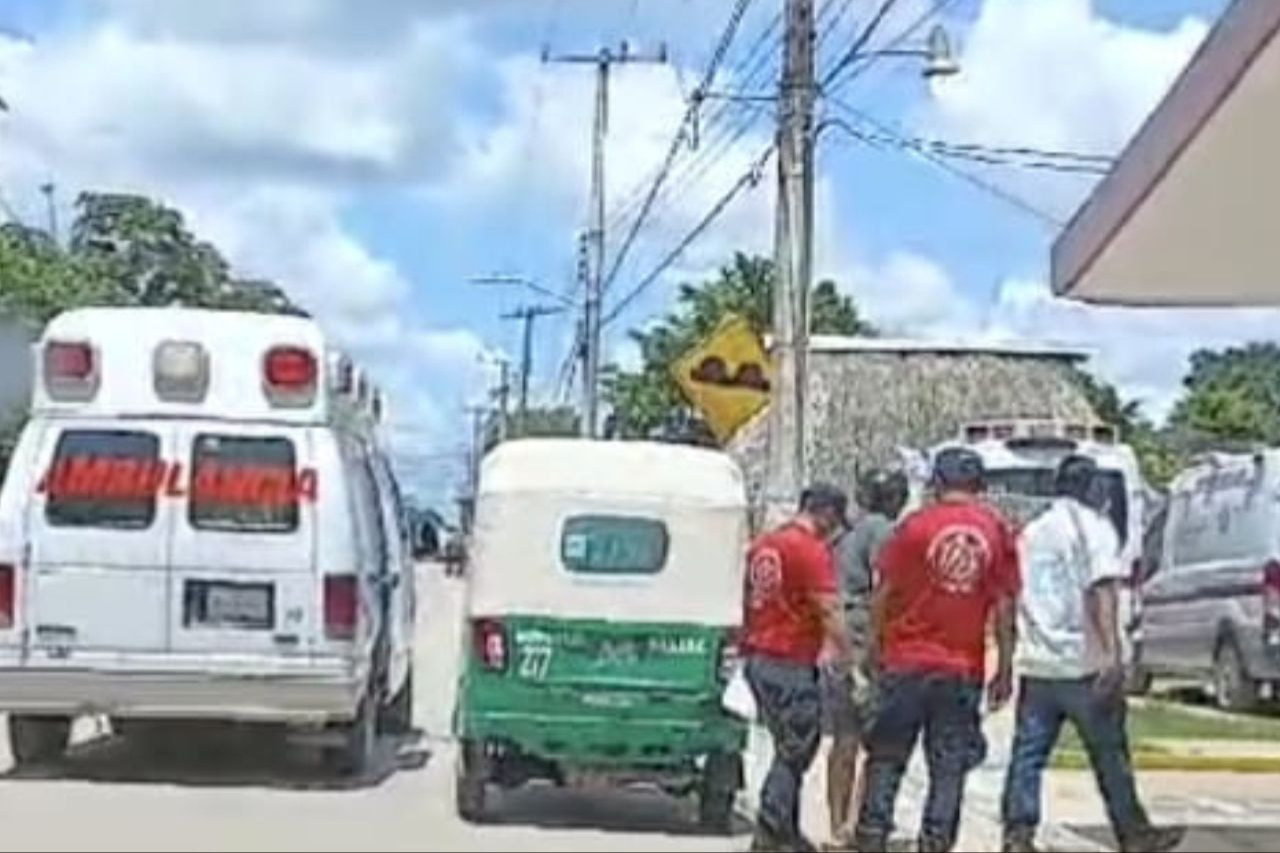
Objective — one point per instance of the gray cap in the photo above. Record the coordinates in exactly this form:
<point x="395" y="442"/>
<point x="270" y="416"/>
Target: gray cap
<point x="959" y="468"/>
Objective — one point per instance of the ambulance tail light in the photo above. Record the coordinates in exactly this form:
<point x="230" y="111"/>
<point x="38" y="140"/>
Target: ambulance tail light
<point x="975" y="433"/>
<point x="8" y="587"/>
<point x="180" y="372"/>
<point x="490" y="639"/>
<point x="341" y="606"/>
<point x="1002" y="432"/>
<point x="71" y="371"/>
<point x="289" y="377"/>
<point x="1271" y="606"/>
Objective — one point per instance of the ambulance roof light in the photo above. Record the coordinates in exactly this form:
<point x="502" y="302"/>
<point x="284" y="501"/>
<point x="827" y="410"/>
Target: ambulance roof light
<point x="180" y="371"/>
<point x="71" y="370"/>
<point x="289" y="376"/>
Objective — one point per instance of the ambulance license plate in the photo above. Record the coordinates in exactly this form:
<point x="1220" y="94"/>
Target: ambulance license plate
<point x="230" y="605"/>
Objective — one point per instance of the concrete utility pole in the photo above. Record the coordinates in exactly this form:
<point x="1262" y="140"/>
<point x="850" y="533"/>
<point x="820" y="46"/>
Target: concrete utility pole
<point x="51" y="207"/>
<point x="603" y="61"/>
<point x="528" y="315"/>
<point x="478" y="414"/>
<point x="503" y="395"/>
<point x="786" y="465"/>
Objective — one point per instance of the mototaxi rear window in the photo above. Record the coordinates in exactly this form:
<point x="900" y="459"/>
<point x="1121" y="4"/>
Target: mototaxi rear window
<point x="88" y="465"/>
<point x="243" y="484"/>
<point x="614" y="545"/>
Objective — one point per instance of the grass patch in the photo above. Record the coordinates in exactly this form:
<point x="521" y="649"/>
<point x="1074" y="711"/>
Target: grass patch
<point x="1152" y="724"/>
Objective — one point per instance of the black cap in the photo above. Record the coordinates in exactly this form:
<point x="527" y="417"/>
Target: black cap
<point x="883" y="491"/>
<point x="824" y="496"/>
<point x="959" y="468"/>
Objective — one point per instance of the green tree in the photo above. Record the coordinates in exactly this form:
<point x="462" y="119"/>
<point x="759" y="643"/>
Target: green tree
<point x="39" y="280"/>
<point x="647" y="399"/>
<point x="147" y="249"/>
<point x="1232" y="396"/>
<point x="1155" y="450"/>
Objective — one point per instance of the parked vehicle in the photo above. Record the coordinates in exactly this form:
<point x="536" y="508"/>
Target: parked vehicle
<point x="1022" y="458"/>
<point x="200" y="523"/>
<point x="605" y="597"/>
<point x="1212" y="613"/>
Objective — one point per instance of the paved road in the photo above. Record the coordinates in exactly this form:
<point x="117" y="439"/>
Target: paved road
<point x="1217" y="839"/>
<point x="110" y="795"/>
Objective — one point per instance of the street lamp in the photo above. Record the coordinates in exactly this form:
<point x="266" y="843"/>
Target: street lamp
<point x="938" y="53"/>
<point x="521" y="281"/>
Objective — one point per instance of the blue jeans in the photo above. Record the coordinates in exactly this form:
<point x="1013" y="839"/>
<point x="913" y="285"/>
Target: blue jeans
<point x="947" y="711"/>
<point x="1044" y="706"/>
<point x="790" y="705"/>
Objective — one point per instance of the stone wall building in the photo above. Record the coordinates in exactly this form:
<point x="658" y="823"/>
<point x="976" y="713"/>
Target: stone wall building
<point x="869" y="397"/>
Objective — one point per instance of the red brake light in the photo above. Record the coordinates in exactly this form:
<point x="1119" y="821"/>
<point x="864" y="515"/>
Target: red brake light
<point x="974" y="434"/>
<point x="1271" y="578"/>
<point x="491" y="644"/>
<point x="341" y="606"/>
<point x="1003" y="431"/>
<point x="70" y="370"/>
<point x="289" y="374"/>
<point x="7" y="602"/>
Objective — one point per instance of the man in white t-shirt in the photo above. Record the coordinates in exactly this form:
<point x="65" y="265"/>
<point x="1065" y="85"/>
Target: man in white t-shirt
<point x="1071" y="660"/>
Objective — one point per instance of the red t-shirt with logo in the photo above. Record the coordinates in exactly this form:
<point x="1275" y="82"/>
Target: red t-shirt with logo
<point x="786" y="569"/>
<point x="946" y="567"/>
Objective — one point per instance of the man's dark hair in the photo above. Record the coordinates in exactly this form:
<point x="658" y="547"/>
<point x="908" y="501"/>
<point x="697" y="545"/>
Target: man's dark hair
<point x="959" y="469"/>
<point x="1077" y="478"/>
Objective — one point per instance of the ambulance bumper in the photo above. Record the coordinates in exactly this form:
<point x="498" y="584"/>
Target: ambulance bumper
<point x="310" y="692"/>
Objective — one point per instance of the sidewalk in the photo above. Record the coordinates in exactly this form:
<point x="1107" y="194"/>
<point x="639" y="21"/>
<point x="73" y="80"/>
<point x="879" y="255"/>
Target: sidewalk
<point x="981" y="830"/>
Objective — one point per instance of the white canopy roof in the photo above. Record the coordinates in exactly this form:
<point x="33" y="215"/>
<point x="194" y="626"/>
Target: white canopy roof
<point x="1188" y="215"/>
<point x="623" y="469"/>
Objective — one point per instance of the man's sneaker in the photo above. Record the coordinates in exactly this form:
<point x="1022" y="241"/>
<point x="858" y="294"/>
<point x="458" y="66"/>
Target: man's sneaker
<point x="935" y="845"/>
<point x="1153" y="840"/>
<point x="868" y="843"/>
<point x="1020" y="842"/>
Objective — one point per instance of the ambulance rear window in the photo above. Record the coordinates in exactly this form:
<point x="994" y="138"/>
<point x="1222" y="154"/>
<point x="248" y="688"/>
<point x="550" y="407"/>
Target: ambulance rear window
<point x="89" y="466"/>
<point x="243" y="485"/>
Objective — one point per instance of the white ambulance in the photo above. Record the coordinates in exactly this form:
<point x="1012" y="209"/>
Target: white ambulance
<point x="1022" y="457"/>
<point x="200" y="524"/>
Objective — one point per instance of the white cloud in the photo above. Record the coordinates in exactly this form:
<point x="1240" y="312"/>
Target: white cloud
<point x="262" y="144"/>
<point x="1056" y="74"/>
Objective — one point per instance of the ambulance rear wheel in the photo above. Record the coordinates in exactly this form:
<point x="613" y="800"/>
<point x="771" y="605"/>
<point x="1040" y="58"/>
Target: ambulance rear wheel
<point x="397" y="715"/>
<point x="36" y="740"/>
<point x="354" y="756"/>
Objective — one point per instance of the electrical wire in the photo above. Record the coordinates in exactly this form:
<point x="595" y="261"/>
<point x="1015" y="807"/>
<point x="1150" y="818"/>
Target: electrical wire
<point x="750" y="179"/>
<point x="673" y="151"/>
<point x="887" y="135"/>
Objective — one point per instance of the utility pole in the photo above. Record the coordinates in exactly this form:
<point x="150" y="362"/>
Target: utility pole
<point x="503" y="393"/>
<point x="604" y="60"/>
<point x="49" y="188"/>
<point x="786" y="465"/>
<point x="528" y="315"/>
<point x="476" y="456"/>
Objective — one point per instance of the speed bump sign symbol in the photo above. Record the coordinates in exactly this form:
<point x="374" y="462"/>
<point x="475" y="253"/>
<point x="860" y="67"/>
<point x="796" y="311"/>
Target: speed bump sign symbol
<point x="727" y="377"/>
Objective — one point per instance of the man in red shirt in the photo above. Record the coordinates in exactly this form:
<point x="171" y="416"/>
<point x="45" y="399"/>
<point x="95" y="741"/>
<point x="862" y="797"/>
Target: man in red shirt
<point x="791" y="613"/>
<point x="947" y="570"/>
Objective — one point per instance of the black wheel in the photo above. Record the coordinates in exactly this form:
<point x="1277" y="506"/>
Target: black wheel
<point x="471" y="785"/>
<point x="359" y="739"/>
<point x="35" y="740"/>
<point x="1234" y="689"/>
<point x="721" y="779"/>
<point x="397" y="715"/>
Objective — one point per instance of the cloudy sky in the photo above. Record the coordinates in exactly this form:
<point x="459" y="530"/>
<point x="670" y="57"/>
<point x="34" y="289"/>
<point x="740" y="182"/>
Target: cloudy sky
<point x="374" y="156"/>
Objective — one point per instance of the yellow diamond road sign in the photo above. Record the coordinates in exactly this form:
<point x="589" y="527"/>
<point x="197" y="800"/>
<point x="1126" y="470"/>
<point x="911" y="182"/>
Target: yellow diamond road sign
<point x="727" y="377"/>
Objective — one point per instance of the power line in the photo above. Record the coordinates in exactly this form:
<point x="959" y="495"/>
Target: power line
<point x="892" y="137"/>
<point x="830" y="81"/>
<point x="1024" y="158"/>
<point x="868" y="33"/>
<point x="673" y="151"/>
<point x="749" y="179"/>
